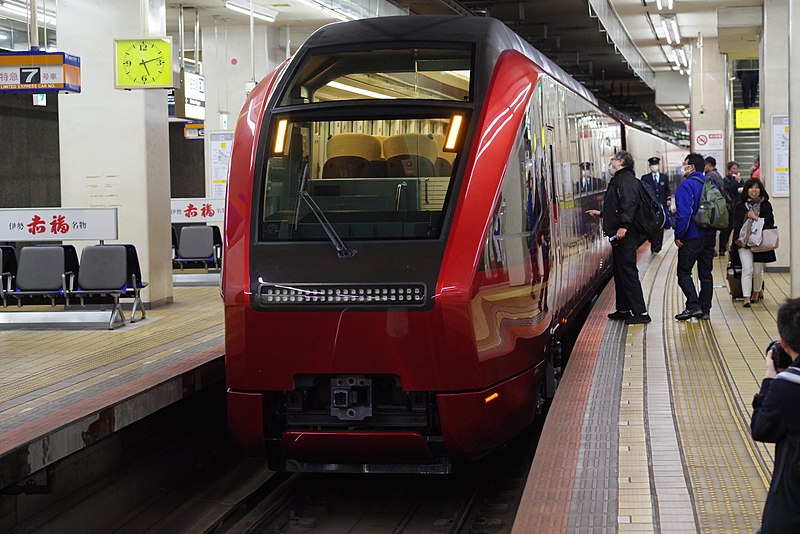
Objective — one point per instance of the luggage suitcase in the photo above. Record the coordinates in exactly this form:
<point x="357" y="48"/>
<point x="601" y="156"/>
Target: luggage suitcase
<point x="734" y="276"/>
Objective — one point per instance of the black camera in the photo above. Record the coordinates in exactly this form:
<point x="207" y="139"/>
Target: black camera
<point x="780" y="359"/>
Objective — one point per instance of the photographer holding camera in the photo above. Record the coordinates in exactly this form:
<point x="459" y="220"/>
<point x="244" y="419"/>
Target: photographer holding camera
<point x="775" y="420"/>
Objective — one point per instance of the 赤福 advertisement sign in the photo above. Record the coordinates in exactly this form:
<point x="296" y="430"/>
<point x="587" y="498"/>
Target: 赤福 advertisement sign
<point x="190" y="210"/>
<point x="55" y="224"/>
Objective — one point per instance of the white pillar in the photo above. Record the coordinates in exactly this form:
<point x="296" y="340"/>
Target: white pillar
<point x="708" y="86"/>
<point x="114" y="144"/>
<point x="794" y="147"/>
<point x="774" y="101"/>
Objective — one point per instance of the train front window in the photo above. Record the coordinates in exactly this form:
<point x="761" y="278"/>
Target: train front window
<point x="373" y="179"/>
<point x="381" y="74"/>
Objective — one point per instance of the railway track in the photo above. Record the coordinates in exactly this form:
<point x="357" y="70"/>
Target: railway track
<point x="481" y="501"/>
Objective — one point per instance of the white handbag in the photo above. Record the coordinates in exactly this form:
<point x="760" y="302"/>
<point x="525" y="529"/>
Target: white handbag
<point x="751" y="232"/>
<point x="769" y="240"/>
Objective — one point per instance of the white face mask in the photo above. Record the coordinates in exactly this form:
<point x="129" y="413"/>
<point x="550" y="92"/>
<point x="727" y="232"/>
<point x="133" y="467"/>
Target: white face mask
<point x="611" y="170"/>
<point x="653" y="168"/>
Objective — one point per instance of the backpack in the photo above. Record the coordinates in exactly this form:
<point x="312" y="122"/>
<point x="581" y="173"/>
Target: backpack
<point x="712" y="212"/>
<point x="649" y="217"/>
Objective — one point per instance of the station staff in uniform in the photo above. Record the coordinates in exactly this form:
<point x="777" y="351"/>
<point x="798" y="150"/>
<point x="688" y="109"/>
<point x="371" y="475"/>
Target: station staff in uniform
<point x="660" y="184"/>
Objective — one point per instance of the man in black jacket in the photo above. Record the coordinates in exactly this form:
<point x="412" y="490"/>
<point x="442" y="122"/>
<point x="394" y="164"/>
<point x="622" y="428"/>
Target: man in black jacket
<point x="660" y="184"/>
<point x="732" y="182"/>
<point x="775" y="421"/>
<point x="619" y="208"/>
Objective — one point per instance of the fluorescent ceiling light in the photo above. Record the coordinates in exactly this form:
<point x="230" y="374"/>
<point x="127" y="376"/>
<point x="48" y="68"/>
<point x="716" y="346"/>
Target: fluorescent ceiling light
<point x="683" y="57"/>
<point x="666" y="30"/>
<point x="21" y="10"/>
<point x="674" y="23"/>
<point x="358" y="90"/>
<point x="261" y="13"/>
<point x="330" y="11"/>
<point x="665" y="4"/>
<point x="671" y="31"/>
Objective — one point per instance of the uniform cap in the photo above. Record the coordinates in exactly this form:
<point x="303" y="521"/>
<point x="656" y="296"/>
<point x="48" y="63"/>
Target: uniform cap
<point x="654" y="160"/>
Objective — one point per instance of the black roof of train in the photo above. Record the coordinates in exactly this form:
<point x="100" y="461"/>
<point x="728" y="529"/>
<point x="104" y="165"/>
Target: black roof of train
<point x="490" y="35"/>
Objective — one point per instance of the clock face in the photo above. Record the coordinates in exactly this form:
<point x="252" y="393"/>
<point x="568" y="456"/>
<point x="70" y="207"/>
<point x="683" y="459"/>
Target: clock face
<point x="143" y="63"/>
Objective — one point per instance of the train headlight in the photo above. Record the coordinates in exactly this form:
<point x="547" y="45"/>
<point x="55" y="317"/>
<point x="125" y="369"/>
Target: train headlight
<point x="413" y="294"/>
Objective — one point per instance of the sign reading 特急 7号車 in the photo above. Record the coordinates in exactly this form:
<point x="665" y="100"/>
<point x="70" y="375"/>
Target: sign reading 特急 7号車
<point x="39" y="72"/>
<point x="55" y="224"/>
<point x="191" y="210"/>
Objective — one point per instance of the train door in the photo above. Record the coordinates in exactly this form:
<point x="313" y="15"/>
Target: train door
<point x="538" y="221"/>
<point x="550" y="119"/>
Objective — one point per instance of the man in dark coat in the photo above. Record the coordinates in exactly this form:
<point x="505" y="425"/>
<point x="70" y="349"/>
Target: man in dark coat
<point x="660" y="183"/>
<point x="711" y="172"/>
<point x="775" y="421"/>
<point x="732" y="182"/>
<point x="619" y="208"/>
<point x="749" y="80"/>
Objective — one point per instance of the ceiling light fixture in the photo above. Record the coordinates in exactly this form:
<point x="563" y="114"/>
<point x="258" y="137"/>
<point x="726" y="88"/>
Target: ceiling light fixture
<point x="677" y="34"/>
<point x="665" y="4"/>
<point x="670" y="25"/>
<point x="329" y="10"/>
<point x="684" y="59"/>
<point x="261" y="13"/>
<point x="665" y="26"/>
<point x="358" y="90"/>
<point x="20" y="9"/>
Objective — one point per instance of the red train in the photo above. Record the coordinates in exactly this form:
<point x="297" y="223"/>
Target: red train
<point x="405" y="240"/>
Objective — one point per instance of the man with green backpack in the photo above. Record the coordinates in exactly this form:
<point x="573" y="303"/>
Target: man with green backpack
<point x="695" y="236"/>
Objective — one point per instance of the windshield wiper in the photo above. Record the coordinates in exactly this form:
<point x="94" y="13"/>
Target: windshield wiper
<point x="341" y="249"/>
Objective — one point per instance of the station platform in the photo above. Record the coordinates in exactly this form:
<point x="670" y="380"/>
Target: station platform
<point x="62" y="390"/>
<point x="649" y="430"/>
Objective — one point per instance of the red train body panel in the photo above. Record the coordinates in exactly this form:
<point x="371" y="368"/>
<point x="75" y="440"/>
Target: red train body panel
<point x="325" y="368"/>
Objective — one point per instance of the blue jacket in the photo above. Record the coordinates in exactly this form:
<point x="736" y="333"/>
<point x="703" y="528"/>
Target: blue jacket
<point x="687" y="197"/>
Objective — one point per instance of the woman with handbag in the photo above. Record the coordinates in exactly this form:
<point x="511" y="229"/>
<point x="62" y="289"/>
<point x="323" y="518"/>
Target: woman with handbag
<point x="751" y="216"/>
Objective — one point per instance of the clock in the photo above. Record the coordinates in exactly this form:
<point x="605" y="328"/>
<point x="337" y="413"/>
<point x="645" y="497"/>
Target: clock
<point x="144" y="63"/>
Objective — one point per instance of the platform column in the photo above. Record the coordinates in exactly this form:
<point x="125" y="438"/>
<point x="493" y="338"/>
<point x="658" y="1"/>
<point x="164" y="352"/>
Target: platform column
<point x="114" y="144"/>
<point x="774" y="103"/>
<point x="708" y="87"/>
<point x="794" y="142"/>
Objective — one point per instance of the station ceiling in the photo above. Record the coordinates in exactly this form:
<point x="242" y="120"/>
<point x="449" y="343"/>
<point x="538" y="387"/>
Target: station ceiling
<point x="567" y="31"/>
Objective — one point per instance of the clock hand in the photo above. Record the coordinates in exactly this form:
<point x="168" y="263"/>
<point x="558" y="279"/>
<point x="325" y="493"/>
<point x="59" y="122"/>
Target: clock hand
<point x="144" y="64"/>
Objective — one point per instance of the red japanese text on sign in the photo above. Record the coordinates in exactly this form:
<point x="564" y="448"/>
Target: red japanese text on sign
<point x="59" y="225"/>
<point x="36" y="226"/>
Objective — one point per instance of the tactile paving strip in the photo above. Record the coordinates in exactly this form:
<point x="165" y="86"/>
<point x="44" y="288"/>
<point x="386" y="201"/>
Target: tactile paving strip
<point x="727" y="473"/>
<point x="594" y="495"/>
